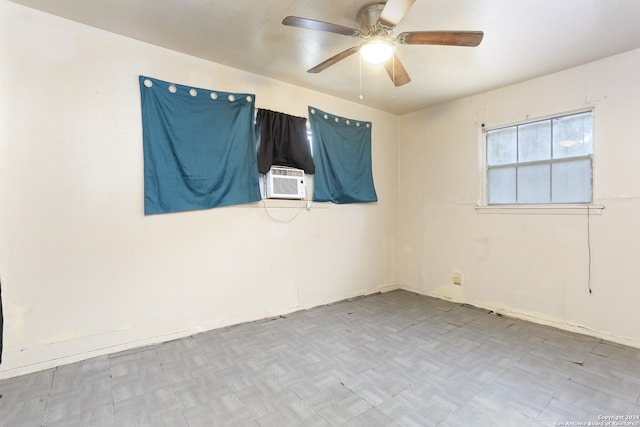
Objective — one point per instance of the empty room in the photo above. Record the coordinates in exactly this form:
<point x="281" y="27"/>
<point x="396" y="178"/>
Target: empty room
<point x="319" y="213"/>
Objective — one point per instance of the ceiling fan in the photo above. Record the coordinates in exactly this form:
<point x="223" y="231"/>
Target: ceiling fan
<point x="376" y="23"/>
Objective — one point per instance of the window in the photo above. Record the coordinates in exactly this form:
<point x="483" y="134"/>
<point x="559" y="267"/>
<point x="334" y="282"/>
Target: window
<point x="546" y="161"/>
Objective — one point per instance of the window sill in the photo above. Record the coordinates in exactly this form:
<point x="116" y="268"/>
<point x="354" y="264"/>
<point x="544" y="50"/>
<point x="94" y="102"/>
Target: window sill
<point x="541" y="209"/>
<point x="289" y="203"/>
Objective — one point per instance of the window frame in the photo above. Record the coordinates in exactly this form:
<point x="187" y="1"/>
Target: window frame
<point x="537" y="207"/>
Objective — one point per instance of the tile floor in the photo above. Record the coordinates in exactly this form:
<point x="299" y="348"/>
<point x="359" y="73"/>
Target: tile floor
<point x="393" y="359"/>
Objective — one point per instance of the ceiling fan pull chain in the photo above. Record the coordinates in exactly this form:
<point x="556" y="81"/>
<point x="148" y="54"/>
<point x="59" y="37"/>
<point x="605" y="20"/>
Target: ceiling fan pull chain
<point x="360" y="62"/>
<point x="393" y="78"/>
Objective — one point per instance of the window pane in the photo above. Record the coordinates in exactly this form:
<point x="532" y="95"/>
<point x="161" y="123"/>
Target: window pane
<point x="502" y="185"/>
<point x="534" y="141"/>
<point x="533" y="184"/>
<point x="571" y="181"/>
<point x="572" y="135"/>
<point x="501" y="146"/>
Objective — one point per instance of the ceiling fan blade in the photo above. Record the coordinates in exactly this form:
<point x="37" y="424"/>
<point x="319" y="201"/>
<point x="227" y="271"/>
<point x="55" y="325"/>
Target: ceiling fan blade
<point x="394" y="11"/>
<point x="312" y="24"/>
<point x="449" y="38"/>
<point x="396" y="71"/>
<point x="335" y="58"/>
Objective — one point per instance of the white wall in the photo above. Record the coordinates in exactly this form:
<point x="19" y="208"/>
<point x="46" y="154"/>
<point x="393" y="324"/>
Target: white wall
<point x="528" y="263"/>
<point x="84" y="272"/>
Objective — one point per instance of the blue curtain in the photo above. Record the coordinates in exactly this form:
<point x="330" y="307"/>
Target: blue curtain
<point x="342" y="156"/>
<point x="199" y="147"/>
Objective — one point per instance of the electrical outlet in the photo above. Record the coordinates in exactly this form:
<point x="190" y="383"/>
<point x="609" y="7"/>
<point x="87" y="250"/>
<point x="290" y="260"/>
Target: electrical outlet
<point x="457" y="278"/>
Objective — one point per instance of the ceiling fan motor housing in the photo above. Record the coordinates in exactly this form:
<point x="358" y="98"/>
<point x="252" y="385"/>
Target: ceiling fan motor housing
<point x="367" y="18"/>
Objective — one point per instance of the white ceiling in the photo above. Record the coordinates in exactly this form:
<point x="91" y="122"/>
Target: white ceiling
<point x="523" y="39"/>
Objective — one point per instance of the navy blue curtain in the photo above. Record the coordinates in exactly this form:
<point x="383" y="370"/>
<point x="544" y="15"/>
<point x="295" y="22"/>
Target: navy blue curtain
<point x="342" y="155"/>
<point x="199" y="147"/>
<point x="282" y="140"/>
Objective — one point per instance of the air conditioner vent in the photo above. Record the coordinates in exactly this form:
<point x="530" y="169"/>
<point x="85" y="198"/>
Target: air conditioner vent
<point x="281" y="171"/>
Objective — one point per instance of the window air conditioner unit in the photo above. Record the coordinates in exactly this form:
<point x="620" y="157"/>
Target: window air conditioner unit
<point x="284" y="183"/>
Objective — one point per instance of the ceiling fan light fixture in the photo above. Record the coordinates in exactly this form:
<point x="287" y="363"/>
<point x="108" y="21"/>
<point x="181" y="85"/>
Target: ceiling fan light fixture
<point x="376" y="51"/>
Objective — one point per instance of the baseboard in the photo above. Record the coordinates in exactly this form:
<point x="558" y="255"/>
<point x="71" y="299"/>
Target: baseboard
<point x="50" y="355"/>
<point x="532" y="317"/>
